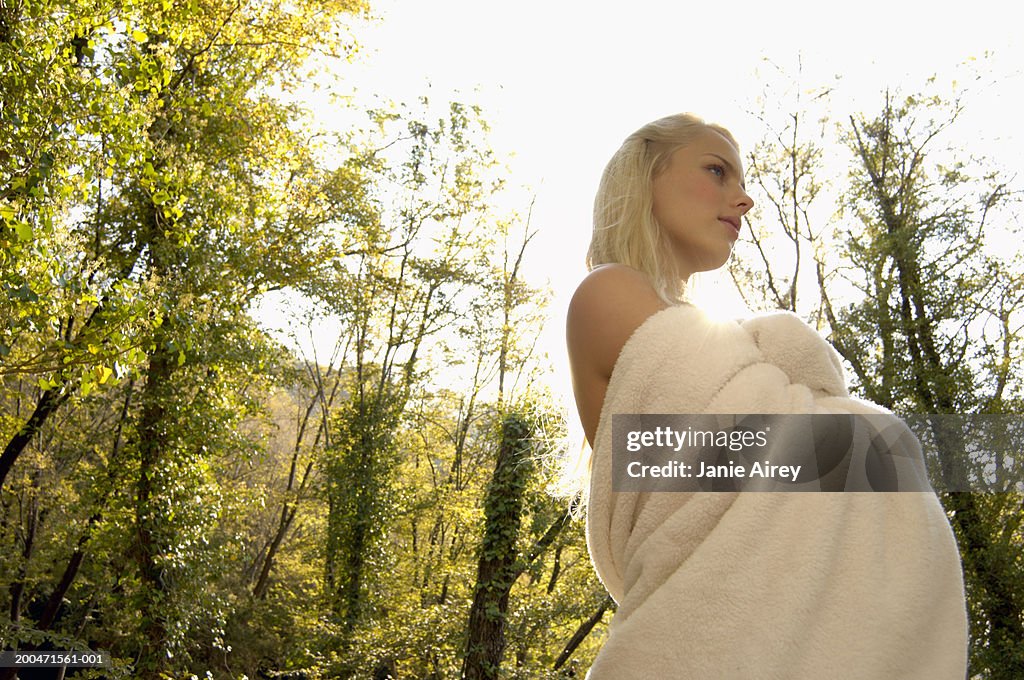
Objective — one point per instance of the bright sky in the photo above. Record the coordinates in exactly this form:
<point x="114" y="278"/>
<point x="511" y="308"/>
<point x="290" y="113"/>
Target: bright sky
<point x="562" y="83"/>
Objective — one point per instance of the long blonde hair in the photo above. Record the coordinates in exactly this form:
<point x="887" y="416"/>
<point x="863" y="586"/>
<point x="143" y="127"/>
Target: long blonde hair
<point x="625" y="230"/>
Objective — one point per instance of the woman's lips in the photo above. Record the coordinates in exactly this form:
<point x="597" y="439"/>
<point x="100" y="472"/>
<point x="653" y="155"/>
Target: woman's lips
<point x="732" y="222"/>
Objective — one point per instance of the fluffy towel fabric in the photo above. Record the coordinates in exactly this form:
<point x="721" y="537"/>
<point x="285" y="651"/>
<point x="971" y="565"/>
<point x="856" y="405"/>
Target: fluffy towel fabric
<point x="764" y="585"/>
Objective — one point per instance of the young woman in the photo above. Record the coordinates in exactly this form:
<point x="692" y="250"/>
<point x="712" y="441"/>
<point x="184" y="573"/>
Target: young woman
<point x="726" y="584"/>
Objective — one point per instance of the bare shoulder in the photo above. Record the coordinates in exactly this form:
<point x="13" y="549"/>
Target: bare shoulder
<point x="609" y="304"/>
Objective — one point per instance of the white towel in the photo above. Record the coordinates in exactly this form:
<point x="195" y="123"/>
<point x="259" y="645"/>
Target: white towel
<point x="792" y="586"/>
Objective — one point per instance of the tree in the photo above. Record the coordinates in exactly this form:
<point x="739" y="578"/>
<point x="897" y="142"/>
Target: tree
<point x="931" y="285"/>
<point x="785" y="166"/>
<point x="498" y="567"/>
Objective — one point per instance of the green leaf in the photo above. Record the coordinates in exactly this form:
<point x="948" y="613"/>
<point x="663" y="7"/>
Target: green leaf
<point x="23" y="230"/>
<point x="139" y="37"/>
<point x="102" y="374"/>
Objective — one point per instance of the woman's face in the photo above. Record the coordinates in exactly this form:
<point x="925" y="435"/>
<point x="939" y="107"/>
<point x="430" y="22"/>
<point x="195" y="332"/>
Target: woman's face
<point x="699" y="202"/>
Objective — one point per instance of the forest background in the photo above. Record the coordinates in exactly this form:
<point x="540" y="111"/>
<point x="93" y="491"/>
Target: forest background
<point x="203" y="496"/>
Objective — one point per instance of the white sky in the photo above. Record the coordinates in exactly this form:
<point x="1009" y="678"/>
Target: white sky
<point x="562" y="83"/>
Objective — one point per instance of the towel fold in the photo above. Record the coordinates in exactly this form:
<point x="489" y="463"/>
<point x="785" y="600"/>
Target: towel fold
<point x="764" y="585"/>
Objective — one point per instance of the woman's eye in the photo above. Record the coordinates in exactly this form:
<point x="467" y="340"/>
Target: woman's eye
<point x="717" y="170"/>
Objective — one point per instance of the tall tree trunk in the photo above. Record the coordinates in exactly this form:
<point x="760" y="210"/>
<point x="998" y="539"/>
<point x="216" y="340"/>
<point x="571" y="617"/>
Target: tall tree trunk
<point x="352" y="597"/>
<point x="148" y="517"/>
<point x="499" y="561"/>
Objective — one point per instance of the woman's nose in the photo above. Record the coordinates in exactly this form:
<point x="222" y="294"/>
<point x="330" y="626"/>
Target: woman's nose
<point x="744" y="202"/>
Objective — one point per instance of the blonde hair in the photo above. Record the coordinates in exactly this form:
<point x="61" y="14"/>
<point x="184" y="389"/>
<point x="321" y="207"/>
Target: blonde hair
<point x="625" y="230"/>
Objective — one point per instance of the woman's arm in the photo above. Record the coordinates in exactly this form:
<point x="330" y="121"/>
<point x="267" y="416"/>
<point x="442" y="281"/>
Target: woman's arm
<point x="611" y="302"/>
